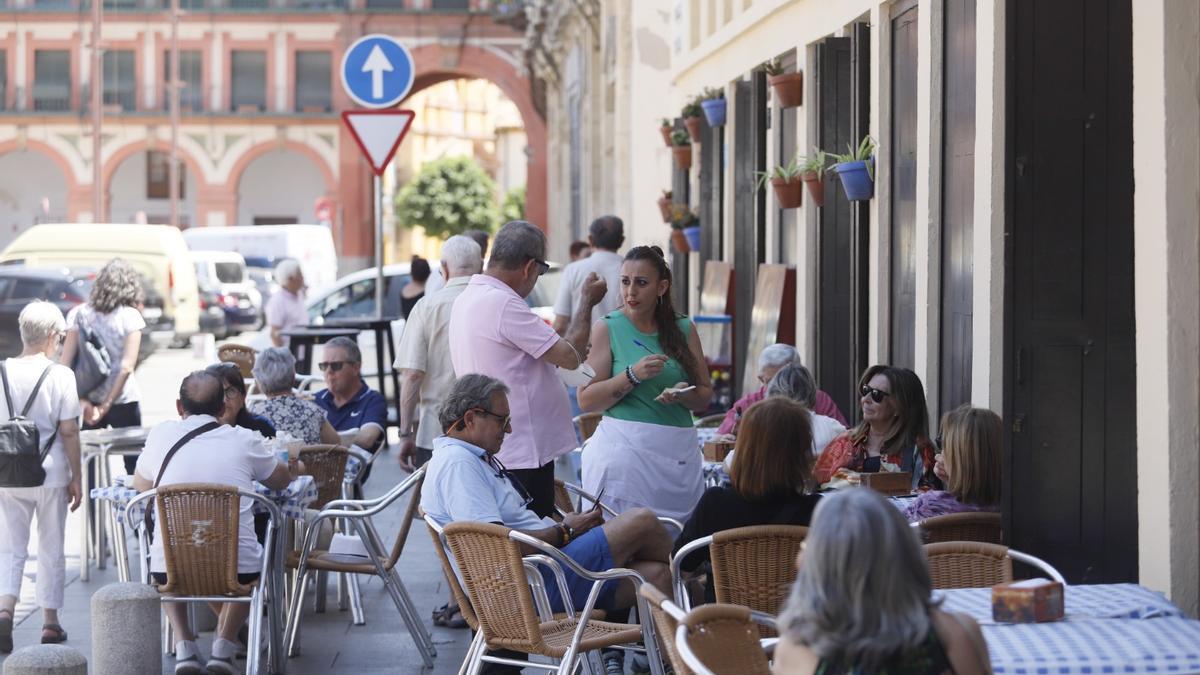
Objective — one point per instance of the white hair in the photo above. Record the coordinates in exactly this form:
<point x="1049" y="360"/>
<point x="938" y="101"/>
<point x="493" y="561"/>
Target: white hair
<point x="462" y="255"/>
<point x="778" y="355"/>
<point x="287" y="269"/>
<point x="275" y="370"/>
<point x="39" y="321"/>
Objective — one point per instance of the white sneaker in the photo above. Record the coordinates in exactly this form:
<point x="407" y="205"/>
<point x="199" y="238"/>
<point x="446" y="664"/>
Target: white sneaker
<point x="187" y="658"/>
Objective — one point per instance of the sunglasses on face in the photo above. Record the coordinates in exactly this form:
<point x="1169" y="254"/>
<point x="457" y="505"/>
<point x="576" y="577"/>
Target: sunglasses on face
<point x="332" y="366"/>
<point x="877" y="395"/>
<point x="543" y="266"/>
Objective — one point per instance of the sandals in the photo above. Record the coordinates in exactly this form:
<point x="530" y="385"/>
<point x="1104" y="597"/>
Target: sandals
<point x="58" y="634"/>
<point x="6" y="629"/>
<point x="448" y="616"/>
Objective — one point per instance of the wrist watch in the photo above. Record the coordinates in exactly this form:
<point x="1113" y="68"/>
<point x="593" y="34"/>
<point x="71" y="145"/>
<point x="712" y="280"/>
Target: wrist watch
<point x="406" y="434"/>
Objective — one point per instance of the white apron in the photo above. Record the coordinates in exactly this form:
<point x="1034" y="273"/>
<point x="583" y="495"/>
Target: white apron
<point x="643" y="464"/>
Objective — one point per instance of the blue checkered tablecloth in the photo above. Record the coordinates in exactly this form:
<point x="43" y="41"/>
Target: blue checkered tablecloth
<point x="292" y="500"/>
<point x="1109" y="628"/>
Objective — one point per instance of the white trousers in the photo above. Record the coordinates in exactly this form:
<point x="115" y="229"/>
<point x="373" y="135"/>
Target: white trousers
<point x="17" y="508"/>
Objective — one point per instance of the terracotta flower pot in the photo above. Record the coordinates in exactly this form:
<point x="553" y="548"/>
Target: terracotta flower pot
<point x="816" y="186"/>
<point x="679" y="241"/>
<point x="683" y="156"/>
<point x="666" y="134"/>
<point x="789" y="89"/>
<point x="693" y="125"/>
<point x="664" y="207"/>
<point x="788" y="192"/>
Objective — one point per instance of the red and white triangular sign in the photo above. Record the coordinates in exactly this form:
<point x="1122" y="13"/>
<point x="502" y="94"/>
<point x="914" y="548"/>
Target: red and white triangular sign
<point x="378" y="133"/>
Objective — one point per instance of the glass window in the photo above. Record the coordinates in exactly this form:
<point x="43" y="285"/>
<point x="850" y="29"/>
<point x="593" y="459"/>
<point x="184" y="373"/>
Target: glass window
<point x="191" y="94"/>
<point x="230" y="272"/>
<point x="158" y="175"/>
<point x="248" y="75"/>
<point x="51" y="79"/>
<point x="120" y="82"/>
<point x="350" y="301"/>
<point x="29" y="289"/>
<point x="313" y="93"/>
<point x="451" y="4"/>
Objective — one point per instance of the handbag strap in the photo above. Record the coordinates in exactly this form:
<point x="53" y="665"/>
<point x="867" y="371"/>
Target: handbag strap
<point x="7" y="395"/>
<point x="28" y="402"/>
<point x="33" y="394"/>
<point x="204" y="428"/>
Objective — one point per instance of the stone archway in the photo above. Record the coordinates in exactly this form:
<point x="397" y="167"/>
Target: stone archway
<point x="39" y="187"/>
<point x="126" y="189"/>
<point x="279" y="180"/>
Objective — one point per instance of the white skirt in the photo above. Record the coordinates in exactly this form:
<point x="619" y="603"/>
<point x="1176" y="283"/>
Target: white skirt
<point x="642" y="464"/>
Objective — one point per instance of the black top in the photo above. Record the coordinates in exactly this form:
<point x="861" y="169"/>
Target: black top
<point x="407" y="304"/>
<point x="722" y="508"/>
<point x="248" y="420"/>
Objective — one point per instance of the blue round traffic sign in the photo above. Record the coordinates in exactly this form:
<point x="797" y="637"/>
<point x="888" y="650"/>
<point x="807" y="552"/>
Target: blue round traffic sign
<point x="377" y="71"/>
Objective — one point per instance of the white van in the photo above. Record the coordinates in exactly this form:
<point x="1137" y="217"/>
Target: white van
<point x="311" y="245"/>
<point x="223" y="273"/>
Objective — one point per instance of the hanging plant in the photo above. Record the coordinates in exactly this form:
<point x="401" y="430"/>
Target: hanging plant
<point x="682" y="149"/>
<point x="812" y="172"/>
<point x="713" y="103"/>
<point x="665" y="130"/>
<point x="684" y="223"/>
<point x="856" y="169"/>
<point x="788" y="87"/>
<point x="785" y="181"/>
<point x="691" y="118"/>
<point x="664" y="206"/>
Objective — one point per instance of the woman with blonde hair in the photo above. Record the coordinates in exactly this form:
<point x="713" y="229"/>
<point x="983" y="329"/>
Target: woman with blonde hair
<point x="862" y="601"/>
<point x="969" y="465"/>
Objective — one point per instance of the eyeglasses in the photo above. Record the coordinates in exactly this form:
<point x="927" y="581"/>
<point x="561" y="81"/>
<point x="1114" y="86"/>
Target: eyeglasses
<point x="505" y="420"/>
<point x="503" y="472"/>
<point x="231" y="392"/>
<point x="332" y="366"/>
<point x="877" y="395"/>
<point x="543" y="266"/>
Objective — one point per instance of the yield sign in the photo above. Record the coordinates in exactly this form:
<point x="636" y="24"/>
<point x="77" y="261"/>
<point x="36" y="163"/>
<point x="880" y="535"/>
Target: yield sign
<point x="378" y="133"/>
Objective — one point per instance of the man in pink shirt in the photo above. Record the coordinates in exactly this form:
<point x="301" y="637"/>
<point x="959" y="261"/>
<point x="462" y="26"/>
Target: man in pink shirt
<point x="493" y="332"/>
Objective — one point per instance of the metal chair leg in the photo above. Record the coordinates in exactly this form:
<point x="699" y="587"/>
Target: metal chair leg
<point x="416" y="629"/>
<point x="322" y="589"/>
<point x="343" y="592"/>
<point x="292" y="632"/>
<point x="358" y="617"/>
<point x="473" y="650"/>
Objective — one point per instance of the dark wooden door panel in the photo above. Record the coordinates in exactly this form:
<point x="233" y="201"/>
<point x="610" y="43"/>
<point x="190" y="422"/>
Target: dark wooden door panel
<point x="749" y="225"/>
<point x="903" y="176"/>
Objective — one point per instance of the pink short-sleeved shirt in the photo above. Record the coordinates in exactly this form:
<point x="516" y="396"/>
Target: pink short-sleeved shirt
<point x="493" y="332"/>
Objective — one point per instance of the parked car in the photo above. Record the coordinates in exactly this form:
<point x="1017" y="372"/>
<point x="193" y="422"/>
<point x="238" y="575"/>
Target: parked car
<point x="311" y="245"/>
<point x="223" y="275"/>
<point x="213" y="316"/>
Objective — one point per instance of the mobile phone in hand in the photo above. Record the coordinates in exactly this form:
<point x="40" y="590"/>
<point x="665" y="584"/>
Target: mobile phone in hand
<point x="684" y="390"/>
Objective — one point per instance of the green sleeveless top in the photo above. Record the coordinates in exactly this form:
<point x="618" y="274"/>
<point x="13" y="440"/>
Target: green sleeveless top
<point x="639" y="405"/>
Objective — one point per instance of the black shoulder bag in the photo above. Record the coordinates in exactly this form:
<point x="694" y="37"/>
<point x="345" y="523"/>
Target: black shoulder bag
<point x="21" y="451"/>
<point x="148" y="519"/>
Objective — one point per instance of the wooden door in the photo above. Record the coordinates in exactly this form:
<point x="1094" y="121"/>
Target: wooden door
<point x="903" y="179"/>
<point x="1071" y="468"/>
<point x="749" y="224"/>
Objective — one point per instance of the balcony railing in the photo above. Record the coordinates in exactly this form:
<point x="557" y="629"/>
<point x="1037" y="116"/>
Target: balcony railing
<point x="54" y="97"/>
<point x="51" y="96"/>
<point x="236" y="6"/>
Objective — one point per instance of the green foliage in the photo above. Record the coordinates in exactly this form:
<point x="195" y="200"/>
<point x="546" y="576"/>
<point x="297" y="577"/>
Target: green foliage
<point x="692" y="108"/>
<point x="682" y="216"/>
<point x="816" y="163"/>
<point x="863" y="153"/>
<point x="772" y="67"/>
<point x="710" y="93"/>
<point x="666" y="123"/>
<point x="788" y="171"/>
<point x="513" y="207"/>
<point x="679" y="137"/>
<point x="449" y="196"/>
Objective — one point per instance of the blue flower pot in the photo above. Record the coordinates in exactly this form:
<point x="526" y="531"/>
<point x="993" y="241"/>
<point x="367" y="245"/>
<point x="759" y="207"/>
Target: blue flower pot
<point x="714" y="111"/>
<point x="693" y="236"/>
<point x="856" y="181"/>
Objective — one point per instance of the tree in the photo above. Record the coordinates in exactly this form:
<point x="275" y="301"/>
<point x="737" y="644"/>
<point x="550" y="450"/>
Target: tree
<point x="513" y="207"/>
<point x="449" y="196"/>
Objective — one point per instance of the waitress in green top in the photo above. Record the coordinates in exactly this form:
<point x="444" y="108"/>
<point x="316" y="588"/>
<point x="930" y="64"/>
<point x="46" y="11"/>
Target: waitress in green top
<point x="650" y="376"/>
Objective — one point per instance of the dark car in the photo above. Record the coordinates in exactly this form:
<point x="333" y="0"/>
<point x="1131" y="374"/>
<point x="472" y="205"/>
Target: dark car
<point x="213" y="316"/>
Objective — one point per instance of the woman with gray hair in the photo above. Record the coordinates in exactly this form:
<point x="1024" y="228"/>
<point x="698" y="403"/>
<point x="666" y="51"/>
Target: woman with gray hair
<point x="35" y="381"/>
<point x="771" y="360"/>
<point x="796" y="382"/>
<point x="862" y="600"/>
<point x="275" y="373"/>
<point x="113" y="314"/>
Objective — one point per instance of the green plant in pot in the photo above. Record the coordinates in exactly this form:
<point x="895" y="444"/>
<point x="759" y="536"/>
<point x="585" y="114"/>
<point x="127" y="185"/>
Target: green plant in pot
<point x="856" y="169"/>
<point x="665" y="129"/>
<point x="681" y="149"/>
<point x="785" y="181"/>
<point x="712" y="101"/>
<point x="812" y="172"/>
<point x="693" y="113"/>
<point x="788" y="87"/>
<point x="684" y="222"/>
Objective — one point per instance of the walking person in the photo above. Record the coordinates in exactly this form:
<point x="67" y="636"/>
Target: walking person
<point x="412" y="292"/>
<point x="286" y="309"/>
<point x="112" y="313"/>
<point x="493" y="332"/>
<point x="650" y="376"/>
<point x="47" y="389"/>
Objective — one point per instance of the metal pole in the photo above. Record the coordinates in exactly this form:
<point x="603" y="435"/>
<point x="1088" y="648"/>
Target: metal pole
<point x="379" y="249"/>
<point x="173" y="102"/>
<point x="97" y="116"/>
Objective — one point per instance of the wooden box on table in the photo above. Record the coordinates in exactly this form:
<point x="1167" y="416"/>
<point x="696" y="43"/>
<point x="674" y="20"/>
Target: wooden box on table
<point x="888" y="483"/>
<point x="715" y="451"/>
<point x="1029" y="601"/>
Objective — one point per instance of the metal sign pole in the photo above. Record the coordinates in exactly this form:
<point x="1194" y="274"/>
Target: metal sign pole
<point x="378" y="247"/>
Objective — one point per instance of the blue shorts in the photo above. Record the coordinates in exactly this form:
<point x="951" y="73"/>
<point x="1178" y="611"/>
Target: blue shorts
<point x="591" y="551"/>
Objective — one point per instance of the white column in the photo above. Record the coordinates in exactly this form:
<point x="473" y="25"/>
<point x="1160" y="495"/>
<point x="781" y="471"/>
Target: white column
<point x="928" y="220"/>
<point x="21" y="82"/>
<point x="281" y="73"/>
<point x="216" y="74"/>
<point x="150" y="71"/>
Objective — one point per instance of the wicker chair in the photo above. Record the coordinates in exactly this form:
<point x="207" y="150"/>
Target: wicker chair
<point x="752" y="566"/>
<point x="327" y="465"/>
<point x="358" y="513"/>
<point x="199" y="525"/>
<point x="718" y="639"/>
<point x="666" y="616"/>
<point x="971" y="564"/>
<point x="241" y="355"/>
<point x="568" y="497"/>
<point x="586" y="423"/>
<point x="976" y="526"/>
<point x="489" y="559"/>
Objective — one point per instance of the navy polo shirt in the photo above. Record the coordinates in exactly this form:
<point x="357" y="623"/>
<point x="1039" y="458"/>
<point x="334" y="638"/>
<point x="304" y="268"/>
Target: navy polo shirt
<point x="367" y="407"/>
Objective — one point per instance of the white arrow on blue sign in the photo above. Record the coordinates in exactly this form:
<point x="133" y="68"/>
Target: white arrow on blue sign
<point x="377" y="71"/>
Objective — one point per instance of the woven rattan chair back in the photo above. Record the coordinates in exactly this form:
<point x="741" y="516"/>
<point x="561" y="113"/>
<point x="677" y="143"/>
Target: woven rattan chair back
<point x="327" y="465"/>
<point x="495" y="582"/>
<point x="710" y="421"/>
<point x="755" y="566"/>
<point x="725" y="639"/>
<point x="199" y="527"/>
<point x="587" y="423"/>
<point x="968" y="564"/>
<point x="562" y="497"/>
<point x="241" y="355"/>
<point x="410" y="512"/>
<point x="978" y="526"/>
<point x="460" y="596"/>
<point x="664" y="627"/>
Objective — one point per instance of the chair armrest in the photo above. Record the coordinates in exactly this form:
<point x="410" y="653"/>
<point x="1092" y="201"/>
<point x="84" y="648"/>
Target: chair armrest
<point x="685" y="652"/>
<point x="671" y="522"/>
<point x="1042" y="565"/>
<point x="681" y="595"/>
<point x="564" y="559"/>
<point x="375" y="505"/>
<point x="536" y="581"/>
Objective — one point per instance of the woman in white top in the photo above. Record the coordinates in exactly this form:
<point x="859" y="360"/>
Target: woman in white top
<point x="55" y="407"/>
<point x="113" y="313"/>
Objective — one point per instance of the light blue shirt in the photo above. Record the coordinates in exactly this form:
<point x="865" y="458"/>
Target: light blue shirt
<point x="460" y="485"/>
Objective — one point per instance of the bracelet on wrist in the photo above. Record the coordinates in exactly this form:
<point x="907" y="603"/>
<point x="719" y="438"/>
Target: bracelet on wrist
<point x="633" y="379"/>
<point x="564" y="532"/>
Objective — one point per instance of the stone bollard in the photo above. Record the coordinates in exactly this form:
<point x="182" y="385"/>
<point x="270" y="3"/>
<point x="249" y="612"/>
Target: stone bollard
<point x="126" y="630"/>
<point x="46" y="660"/>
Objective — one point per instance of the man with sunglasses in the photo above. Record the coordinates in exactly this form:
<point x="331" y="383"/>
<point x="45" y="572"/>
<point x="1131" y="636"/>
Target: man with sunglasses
<point x="494" y="332"/>
<point x="466" y="482"/>
<point x="347" y="400"/>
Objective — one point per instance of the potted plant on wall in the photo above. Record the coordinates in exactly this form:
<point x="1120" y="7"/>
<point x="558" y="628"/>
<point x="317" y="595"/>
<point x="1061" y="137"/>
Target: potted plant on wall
<point x="788" y="87"/>
<point x="713" y="103"/>
<point x="665" y="130"/>
<point x="682" y="218"/>
<point x="691" y="118"/>
<point x="812" y="172"/>
<point x="785" y="181"/>
<point x="856" y="168"/>
<point x="664" y="205"/>
<point x="681" y="148"/>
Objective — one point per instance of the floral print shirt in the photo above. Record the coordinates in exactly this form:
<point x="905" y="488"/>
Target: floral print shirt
<point x="293" y="416"/>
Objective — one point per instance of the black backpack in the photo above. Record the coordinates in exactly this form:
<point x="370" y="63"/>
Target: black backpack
<point x="21" y="452"/>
